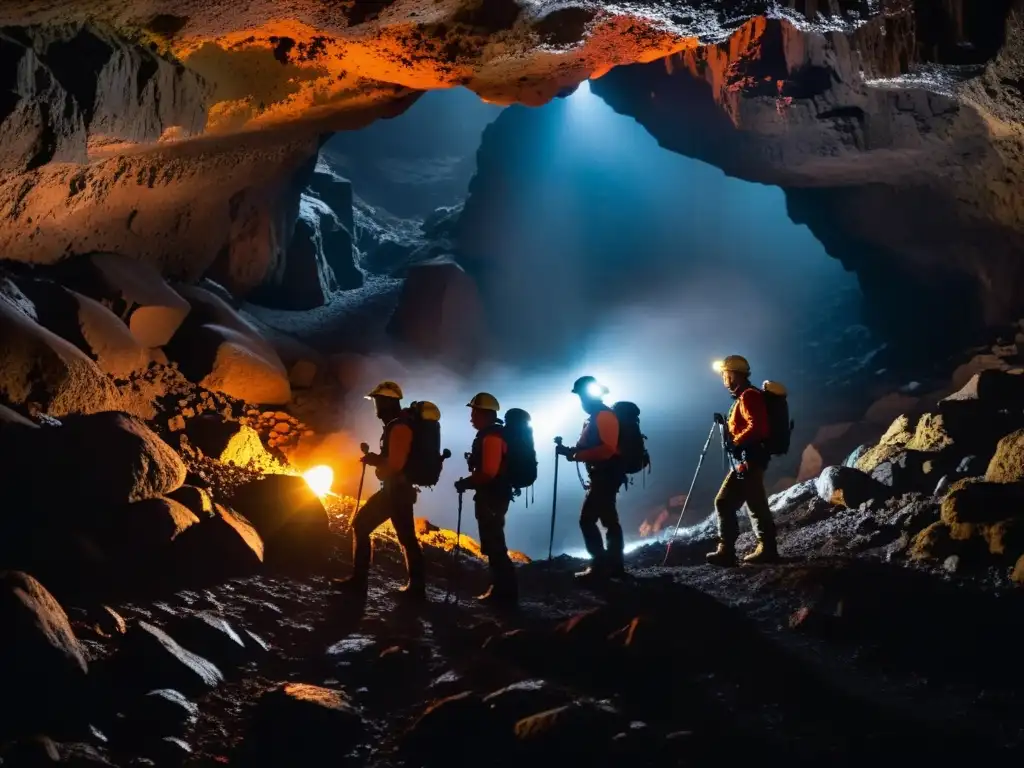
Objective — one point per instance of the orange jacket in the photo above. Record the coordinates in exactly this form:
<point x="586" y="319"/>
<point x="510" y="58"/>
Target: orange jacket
<point x="604" y="444"/>
<point x="748" y="419"/>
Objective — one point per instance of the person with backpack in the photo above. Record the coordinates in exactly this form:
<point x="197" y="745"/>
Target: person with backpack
<point x="747" y="431"/>
<point x="488" y="467"/>
<point x="396" y="497"/>
<point x="598" y="448"/>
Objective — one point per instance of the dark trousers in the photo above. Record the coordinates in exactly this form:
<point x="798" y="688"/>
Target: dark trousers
<point x="599" y="507"/>
<point x="394" y="501"/>
<point x="737" y="491"/>
<point x="490" y="509"/>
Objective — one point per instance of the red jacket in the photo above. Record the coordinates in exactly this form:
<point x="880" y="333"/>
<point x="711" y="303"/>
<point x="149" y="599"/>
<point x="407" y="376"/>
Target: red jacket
<point x="748" y="419"/>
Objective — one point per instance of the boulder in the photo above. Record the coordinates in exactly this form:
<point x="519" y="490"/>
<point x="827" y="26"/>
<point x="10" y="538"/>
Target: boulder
<point x="213" y="637"/>
<point x="1007" y="465"/>
<point x="225" y="360"/>
<point x="134" y="290"/>
<point x="45" y="371"/>
<point x="892" y="442"/>
<point x="889" y="407"/>
<point x="933" y="543"/>
<point x="518" y="700"/>
<point x="209" y="308"/>
<point x="159" y="713"/>
<point x="229" y="442"/>
<point x="140" y="535"/>
<point x="993" y="388"/>
<point x="89" y="325"/>
<point x="12" y="421"/>
<point x="979" y="363"/>
<point x="196" y="499"/>
<point x="299" y="723"/>
<point x="584" y="728"/>
<point x="223" y="545"/>
<point x="42" y="663"/>
<point x="302" y="374"/>
<point x="302" y="279"/>
<point x="982" y="502"/>
<point x="832" y="444"/>
<point x="930" y="434"/>
<point x="440" y="314"/>
<point x="151" y="659"/>
<point x="105" y="458"/>
<point x="1017" y="574"/>
<point x="446" y="722"/>
<point x="905" y="472"/>
<point x="288" y="516"/>
<point x="793" y="496"/>
<point x="848" y="487"/>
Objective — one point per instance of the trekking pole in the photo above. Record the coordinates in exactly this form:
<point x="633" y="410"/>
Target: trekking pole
<point x="689" y="493"/>
<point x="455" y="555"/>
<point x="362" y="476"/>
<point x="554" y="500"/>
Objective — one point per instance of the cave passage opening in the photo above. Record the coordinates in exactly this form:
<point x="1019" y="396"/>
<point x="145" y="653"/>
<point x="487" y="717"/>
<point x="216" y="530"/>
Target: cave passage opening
<point x="595" y="250"/>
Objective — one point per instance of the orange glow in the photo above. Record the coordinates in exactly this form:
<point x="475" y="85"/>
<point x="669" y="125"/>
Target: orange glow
<point x="320" y="479"/>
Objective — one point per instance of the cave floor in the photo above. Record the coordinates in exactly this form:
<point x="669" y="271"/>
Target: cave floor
<point x="886" y="661"/>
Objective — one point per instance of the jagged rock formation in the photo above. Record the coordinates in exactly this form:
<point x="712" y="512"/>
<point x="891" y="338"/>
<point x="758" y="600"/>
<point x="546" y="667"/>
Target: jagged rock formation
<point x="850" y="107"/>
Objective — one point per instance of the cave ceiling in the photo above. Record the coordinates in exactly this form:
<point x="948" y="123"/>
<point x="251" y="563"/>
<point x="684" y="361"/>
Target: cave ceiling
<point x="158" y="115"/>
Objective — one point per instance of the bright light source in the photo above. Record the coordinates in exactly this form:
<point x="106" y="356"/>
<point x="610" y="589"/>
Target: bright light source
<point x="717" y="366"/>
<point x="320" y="479"/>
<point x="595" y="390"/>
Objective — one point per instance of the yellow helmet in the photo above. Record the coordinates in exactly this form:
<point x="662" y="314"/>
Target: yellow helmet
<point x="734" y="364"/>
<point x="386" y="389"/>
<point x="485" y="402"/>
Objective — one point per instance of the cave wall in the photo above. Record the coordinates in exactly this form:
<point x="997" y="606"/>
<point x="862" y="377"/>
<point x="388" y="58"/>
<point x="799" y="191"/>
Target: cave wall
<point x="924" y="175"/>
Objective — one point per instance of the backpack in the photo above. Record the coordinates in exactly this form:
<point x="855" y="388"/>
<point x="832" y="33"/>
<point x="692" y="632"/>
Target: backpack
<point x="521" y="459"/>
<point x="423" y="467"/>
<point x="632" y="442"/>
<point x="780" y="426"/>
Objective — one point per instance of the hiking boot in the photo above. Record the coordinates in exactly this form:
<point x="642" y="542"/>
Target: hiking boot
<point x="763" y="553"/>
<point x="414" y="590"/>
<point x="591" y="573"/>
<point x="498" y="596"/>
<point x="352" y="583"/>
<point x="724" y="556"/>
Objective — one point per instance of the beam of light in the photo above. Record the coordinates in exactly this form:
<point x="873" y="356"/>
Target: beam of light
<point x="319" y="479"/>
<point x="595" y="390"/>
<point x="633" y="546"/>
<point x="717" y="366"/>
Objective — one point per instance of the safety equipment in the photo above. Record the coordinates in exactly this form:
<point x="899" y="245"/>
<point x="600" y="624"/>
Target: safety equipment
<point x="724" y="556"/>
<point x="521" y="459"/>
<point x="588" y="385"/>
<point x="736" y="364"/>
<point x="632" y="441"/>
<point x="554" y="498"/>
<point x="423" y="467"/>
<point x="689" y="493"/>
<point x="362" y="476"/>
<point x="485" y="402"/>
<point x="452" y="590"/>
<point x="780" y="426"/>
<point x="386" y="389"/>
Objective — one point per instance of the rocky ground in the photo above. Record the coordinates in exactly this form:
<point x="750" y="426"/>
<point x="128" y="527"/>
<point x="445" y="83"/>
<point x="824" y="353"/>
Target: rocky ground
<point x="201" y="625"/>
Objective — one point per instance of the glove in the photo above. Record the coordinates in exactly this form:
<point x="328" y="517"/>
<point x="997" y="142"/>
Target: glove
<point x="371" y="459"/>
<point x="565" y="450"/>
<point x="463" y="484"/>
<point x="719" y="419"/>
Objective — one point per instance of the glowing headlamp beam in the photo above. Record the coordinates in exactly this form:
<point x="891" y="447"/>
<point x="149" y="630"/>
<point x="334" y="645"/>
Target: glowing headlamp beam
<point x="319" y="479"/>
<point x="717" y="366"/>
<point x="595" y="390"/>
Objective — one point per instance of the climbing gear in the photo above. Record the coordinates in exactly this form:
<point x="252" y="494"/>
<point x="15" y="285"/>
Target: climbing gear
<point x="764" y="552"/>
<point x="689" y="493"/>
<point x="736" y="364"/>
<point x="423" y="467"/>
<point x="386" y="389"/>
<point x="520" y="468"/>
<point x="724" y="556"/>
<point x="362" y="476"/>
<point x="780" y="426"/>
<point x="485" y="402"/>
<point x="632" y="441"/>
<point x="554" y="499"/>
<point x="588" y="385"/>
<point x="452" y="591"/>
